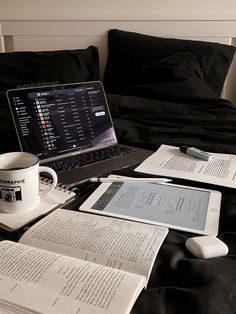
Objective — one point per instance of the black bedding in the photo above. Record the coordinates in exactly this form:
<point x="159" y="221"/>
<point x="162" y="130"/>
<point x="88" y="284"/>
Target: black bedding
<point x="148" y="123"/>
<point x="180" y="283"/>
<point x="164" y="91"/>
<point x="167" y="91"/>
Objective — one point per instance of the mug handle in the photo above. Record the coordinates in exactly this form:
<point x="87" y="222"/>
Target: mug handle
<point x="54" y="179"/>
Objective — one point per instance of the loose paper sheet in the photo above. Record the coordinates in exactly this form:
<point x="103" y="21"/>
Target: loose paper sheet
<point x="169" y="161"/>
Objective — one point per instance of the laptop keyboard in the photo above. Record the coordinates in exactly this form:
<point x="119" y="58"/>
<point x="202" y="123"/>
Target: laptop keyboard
<point x="89" y="158"/>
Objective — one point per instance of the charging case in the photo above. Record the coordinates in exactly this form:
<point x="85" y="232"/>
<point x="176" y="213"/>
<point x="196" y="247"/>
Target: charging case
<point x="206" y="247"/>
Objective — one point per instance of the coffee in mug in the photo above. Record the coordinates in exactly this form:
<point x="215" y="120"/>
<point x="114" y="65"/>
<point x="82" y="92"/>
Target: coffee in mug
<point x="19" y="181"/>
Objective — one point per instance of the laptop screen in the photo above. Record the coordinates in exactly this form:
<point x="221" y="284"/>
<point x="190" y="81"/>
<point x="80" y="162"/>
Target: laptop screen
<point x="55" y="120"/>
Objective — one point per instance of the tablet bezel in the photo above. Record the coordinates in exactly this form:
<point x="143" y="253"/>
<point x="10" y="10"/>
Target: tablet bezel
<point x="212" y="215"/>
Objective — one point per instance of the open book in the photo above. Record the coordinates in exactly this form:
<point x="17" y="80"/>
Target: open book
<point x="73" y="262"/>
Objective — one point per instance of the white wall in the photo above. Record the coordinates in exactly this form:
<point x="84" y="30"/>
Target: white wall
<point x="114" y="8"/>
<point x="65" y="35"/>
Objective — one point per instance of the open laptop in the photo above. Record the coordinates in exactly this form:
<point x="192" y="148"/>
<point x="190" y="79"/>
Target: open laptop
<point x="62" y="123"/>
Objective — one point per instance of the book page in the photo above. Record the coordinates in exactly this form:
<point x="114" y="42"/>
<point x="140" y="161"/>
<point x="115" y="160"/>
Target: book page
<point x="112" y="242"/>
<point x="169" y="161"/>
<point x="50" y="283"/>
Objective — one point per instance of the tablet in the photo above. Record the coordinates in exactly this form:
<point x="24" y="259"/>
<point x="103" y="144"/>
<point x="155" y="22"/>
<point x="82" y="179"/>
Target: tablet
<point x="174" y="206"/>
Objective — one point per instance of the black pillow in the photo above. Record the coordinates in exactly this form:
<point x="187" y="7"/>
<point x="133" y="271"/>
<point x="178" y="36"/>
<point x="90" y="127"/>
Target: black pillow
<point x="176" y="67"/>
<point x="129" y="52"/>
<point x="175" y="78"/>
<point x="23" y="69"/>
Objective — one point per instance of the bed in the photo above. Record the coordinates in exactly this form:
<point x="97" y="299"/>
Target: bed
<point x="160" y="91"/>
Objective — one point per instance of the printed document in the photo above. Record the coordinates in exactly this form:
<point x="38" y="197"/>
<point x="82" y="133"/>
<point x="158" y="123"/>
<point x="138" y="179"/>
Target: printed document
<point x="171" y="162"/>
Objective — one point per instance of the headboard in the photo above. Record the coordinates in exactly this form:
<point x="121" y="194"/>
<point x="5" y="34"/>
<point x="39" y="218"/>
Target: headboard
<point x="62" y="33"/>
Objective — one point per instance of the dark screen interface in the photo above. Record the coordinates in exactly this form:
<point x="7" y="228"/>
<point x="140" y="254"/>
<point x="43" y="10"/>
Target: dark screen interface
<point x="61" y="119"/>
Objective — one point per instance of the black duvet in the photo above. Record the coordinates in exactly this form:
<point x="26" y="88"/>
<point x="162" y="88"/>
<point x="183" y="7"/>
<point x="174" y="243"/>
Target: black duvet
<point x="181" y="283"/>
<point x="160" y="91"/>
<point x="207" y="124"/>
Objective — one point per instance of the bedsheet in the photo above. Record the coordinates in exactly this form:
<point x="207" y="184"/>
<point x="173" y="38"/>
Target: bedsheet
<point x="181" y="283"/>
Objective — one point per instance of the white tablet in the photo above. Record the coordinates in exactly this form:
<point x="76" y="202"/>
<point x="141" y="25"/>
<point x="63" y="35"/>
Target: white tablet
<point x="178" y="207"/>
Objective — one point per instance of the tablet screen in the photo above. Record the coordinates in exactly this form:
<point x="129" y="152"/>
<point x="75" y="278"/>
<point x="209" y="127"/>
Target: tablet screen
<point x="173" y="205"/>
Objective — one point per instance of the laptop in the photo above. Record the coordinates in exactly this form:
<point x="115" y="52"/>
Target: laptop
<point x="70" y="129"/>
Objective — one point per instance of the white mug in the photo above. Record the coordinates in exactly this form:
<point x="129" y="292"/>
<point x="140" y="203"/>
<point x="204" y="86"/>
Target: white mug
<point x="19" y="182"/>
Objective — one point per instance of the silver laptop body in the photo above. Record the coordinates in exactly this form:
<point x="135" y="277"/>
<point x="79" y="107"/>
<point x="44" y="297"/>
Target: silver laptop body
<point x="63" y="122"/>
